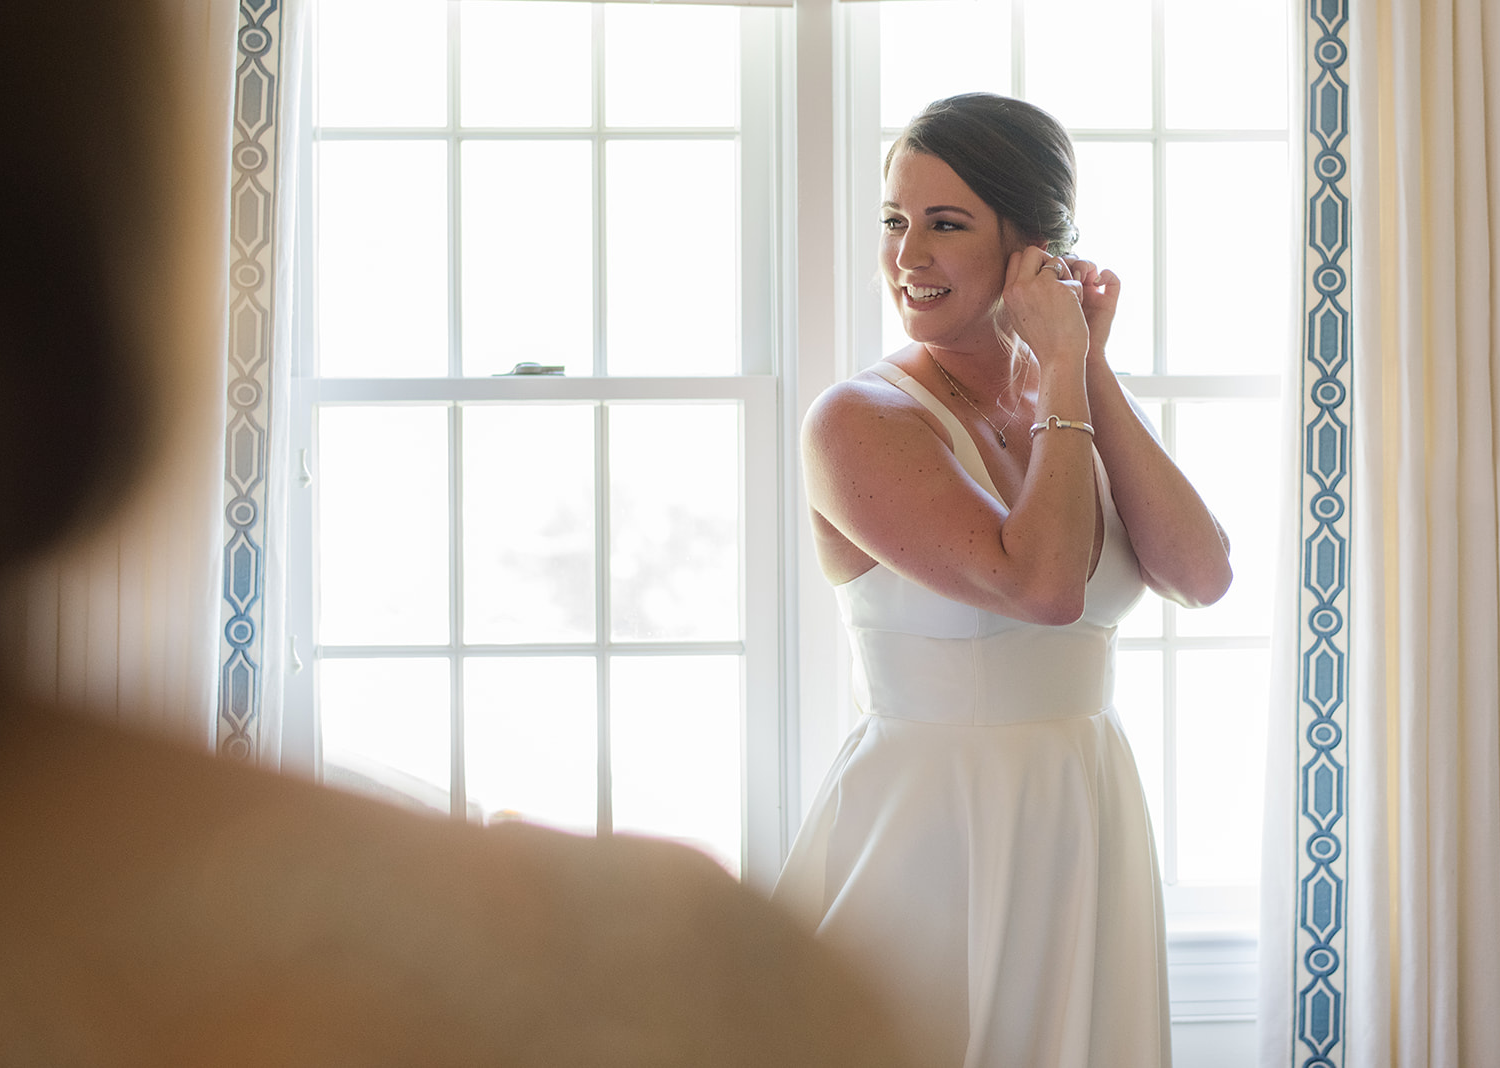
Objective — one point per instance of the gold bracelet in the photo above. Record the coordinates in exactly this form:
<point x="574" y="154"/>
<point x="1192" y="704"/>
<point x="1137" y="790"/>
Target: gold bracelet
<point x="1062" y="424"/>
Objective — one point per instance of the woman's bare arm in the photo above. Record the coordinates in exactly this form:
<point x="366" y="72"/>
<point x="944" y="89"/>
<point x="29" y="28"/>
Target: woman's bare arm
<point x="886" y="480"/>
<point x="1183" y="552"/>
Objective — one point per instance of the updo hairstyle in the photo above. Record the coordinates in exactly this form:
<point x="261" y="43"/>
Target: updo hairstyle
<point x="1016" y="157"/>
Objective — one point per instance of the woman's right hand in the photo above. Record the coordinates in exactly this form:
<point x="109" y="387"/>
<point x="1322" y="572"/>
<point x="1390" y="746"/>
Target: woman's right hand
<point x="1043" y="301"/>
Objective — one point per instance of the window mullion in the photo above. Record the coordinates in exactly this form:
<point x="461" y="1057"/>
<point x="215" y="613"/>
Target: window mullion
<point x="300" y="743"/>
<point x="458" y="787"/>
<point x="862" y="157"/>
<point x="1158" y="187"/>
<point x="759" y="158"/>
<point x="455" y="195"/>
<point x="602" y="613"/>
<point x="1018" y="49"/>
<point x="600" y="179"/>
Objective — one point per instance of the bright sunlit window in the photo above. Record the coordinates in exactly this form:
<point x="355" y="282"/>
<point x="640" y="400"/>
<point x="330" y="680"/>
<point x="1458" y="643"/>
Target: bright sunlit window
<point x="540" y="523"/>
<point x="556" y="597"/>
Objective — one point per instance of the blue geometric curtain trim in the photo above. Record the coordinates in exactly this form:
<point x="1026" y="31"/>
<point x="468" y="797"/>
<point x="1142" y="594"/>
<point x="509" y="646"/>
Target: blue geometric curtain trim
<point x="252" y="278"/>
<point x="1324" y="523"/>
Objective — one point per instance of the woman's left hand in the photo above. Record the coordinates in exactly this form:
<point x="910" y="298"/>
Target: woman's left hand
<point x="1099" y="293"/>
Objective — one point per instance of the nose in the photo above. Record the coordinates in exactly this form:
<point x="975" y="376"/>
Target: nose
<point x="911" y="251"/>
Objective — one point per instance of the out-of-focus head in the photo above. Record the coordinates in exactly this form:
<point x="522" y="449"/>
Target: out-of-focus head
<point x="1017" y="158"/>
<point x="100" y="243"/>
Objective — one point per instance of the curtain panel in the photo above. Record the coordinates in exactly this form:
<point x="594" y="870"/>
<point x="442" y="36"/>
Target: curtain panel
<point x="1381" y="923"/>
<point x="253" y="649"/>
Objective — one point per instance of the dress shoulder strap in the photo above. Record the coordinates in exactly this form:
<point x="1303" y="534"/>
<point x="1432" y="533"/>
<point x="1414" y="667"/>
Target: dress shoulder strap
<point x="963" y="444"/>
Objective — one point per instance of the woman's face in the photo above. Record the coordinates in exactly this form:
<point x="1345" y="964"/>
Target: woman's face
<point x="943" y="252"/>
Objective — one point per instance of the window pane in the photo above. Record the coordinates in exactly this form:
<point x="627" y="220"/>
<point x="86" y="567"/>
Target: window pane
<point x="675" y="750"/>
<point x="1115" y="218"/>
<point x="672" y="260"/>
<point x="1145" y="619"/>
<point x="972" y="37"/>
<point x="671" y="65"/>
<point x="528" y="255"/>
<point x="674" y="522"/>
<point x="1240" y="486"/>
<point x="528" y="523"/>
<point x="1221" y="742"/>
<point x="1139" y="700"/>
<point x="531" y="740"/>
<point x="892" y="333"/>
<point x="382" y="258"/>
<point x="1226" y="242"/>
<point x="383" y="508"/>
<point x="385" y="727"/>
<point x="526" y="63"/>
<point x="1209" y="84"/>
<point x="381" y="63"/>
<point x="1089" y="62"/>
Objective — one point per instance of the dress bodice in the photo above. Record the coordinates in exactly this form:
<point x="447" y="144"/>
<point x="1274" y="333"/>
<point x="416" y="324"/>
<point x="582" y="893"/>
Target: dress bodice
<point x="921" y="655"/>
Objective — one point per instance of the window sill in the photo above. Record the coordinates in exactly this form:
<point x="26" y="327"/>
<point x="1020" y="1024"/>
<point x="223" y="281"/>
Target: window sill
<point x="1212" y="975"/>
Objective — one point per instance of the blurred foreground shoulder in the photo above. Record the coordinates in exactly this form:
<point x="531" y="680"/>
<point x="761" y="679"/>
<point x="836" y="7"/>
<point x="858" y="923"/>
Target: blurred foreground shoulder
<point x="161" y="906"/>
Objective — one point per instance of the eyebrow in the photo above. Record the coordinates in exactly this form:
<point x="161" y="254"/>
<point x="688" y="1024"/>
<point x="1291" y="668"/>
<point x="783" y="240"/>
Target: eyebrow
<point x="934" y="210"/>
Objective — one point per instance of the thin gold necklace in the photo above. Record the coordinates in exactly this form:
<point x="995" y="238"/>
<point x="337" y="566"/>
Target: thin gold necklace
<point x="959" y="392"/>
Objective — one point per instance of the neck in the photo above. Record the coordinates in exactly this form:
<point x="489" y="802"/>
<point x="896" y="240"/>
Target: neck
<point x="991" y="376"/>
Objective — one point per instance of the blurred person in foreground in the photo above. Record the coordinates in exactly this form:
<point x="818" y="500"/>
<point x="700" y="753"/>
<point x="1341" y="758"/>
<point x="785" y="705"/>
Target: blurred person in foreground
<point x="159" y="906"/>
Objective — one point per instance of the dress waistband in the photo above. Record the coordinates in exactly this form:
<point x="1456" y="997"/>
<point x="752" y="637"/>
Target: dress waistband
<point x="1017" y="676"/>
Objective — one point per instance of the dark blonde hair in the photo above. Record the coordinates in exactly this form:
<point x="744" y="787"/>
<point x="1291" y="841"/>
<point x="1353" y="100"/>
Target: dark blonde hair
<point x="1017" y="158"/>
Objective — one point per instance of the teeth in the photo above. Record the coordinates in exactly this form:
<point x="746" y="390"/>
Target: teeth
<point x="924" y="292"/>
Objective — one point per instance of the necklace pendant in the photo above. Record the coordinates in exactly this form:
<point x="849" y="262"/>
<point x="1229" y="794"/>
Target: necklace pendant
<point x="1001" y="435"/>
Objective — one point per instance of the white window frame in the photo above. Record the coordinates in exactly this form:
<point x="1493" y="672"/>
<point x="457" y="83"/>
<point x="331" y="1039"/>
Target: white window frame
<point x="811" y="321"/>
<point x="765" y="39"/>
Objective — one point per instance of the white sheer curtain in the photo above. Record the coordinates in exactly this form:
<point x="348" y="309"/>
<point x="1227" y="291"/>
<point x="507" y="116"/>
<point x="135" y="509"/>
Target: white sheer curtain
<point x="122" y="623"/>
<point x="1411" y="976"/>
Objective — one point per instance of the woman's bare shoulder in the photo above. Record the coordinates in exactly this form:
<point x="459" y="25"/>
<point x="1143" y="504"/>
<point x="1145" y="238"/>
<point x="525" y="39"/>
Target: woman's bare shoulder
<point x="863" y="402"/>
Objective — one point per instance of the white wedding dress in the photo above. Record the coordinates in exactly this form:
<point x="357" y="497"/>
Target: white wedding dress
<point x="981" y="845"/>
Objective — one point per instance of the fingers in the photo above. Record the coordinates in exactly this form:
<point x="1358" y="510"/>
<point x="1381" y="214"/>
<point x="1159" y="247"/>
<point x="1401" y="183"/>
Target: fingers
<point x="1034" y="265"/>
<point x="1031" y="261"/>
<point x="1083" y="270"/>
<point x="1042" y="303"/>
<point x="1088" y="274"/>
<point x="1056" y="265"/>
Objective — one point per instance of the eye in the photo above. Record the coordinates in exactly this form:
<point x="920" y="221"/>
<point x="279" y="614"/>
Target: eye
<point x="946" y="226"/>
<point x="892" y="223"/>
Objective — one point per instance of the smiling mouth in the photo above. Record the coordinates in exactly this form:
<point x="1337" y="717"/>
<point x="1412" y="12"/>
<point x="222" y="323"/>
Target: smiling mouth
<point x="922" y="294"/>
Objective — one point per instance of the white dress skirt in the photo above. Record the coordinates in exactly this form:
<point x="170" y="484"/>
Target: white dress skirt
<point x="981" y="845"/>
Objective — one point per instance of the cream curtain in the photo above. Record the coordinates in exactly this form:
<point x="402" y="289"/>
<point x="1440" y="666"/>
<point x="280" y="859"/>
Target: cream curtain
<point x="122" y="622"/>
<point x="1381" y="933"/>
